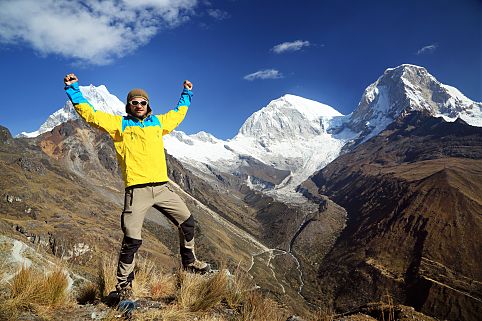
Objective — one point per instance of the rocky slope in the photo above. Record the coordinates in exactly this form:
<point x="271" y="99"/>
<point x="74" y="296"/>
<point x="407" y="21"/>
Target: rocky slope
<point x="413" y="198"/>
<point x="70" y="194"/>
<point x="60" y="211"/>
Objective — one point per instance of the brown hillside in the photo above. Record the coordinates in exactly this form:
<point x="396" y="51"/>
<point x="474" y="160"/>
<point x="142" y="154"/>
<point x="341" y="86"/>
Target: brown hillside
<point x="414" y="203"/>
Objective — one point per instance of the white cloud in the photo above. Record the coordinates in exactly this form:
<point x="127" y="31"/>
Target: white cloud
<point x="92" y="31"/>
<point x="290" y="46"/>
<point x="427" y="49"/>
<point x="264" y="74"/>
<point x="218" y="14"/>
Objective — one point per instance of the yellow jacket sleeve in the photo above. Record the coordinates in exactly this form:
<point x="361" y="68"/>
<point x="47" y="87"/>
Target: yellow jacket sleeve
<point x="112" y="124"/>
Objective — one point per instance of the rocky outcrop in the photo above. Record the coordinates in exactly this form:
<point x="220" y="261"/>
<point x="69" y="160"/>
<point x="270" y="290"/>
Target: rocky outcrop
<point x="5" y="135"/>
<point x="87" y="152"/>
<point x="31" y="165"/>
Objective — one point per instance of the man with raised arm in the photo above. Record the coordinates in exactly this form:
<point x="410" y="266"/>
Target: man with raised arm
<point x="140" y="152"/>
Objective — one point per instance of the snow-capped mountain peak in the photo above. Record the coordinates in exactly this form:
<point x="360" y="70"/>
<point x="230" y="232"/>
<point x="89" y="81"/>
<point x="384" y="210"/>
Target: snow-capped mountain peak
<point x="103" y="100"/>
<point x="287" y="117"/>
<point x="313" y="110"/>
<point x="206" y="137"/>
<point x="405" y="88"/>
<point x="290" y="134"/>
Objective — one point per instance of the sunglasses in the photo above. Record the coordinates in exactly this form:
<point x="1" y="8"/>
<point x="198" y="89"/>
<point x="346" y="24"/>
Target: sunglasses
<point x="135" y="103"/>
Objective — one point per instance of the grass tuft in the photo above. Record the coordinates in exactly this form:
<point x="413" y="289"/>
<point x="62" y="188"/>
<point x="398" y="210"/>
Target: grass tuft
<point x="88" y="293"/>
<point x="33" y="291"/>
<point x="240" y="284"/>
<point x="148" y="280"/>
<point x="106" y="280"/>
<point x="56" y="285"/>
<point x="146" y="274"/>
<point x="163" y="287"/>
<point x="256" y="307"/>
<point x="213" y="297"/>
<point x="387" y="307"/>
<point x="201" y="292"/>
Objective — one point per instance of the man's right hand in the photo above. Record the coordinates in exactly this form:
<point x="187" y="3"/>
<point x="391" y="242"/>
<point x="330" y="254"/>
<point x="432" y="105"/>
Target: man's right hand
<point x="70" y="79"/>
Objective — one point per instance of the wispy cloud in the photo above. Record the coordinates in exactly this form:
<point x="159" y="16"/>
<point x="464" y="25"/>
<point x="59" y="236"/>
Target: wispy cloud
<point x="91" y="31"/>
<point x="427" y="49"/>
<point x="290" y="46"/>
<point x="218" y="14"/>
<point x="264" y="74"/>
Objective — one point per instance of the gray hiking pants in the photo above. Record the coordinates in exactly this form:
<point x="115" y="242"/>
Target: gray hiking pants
<point x="138" y="200"/>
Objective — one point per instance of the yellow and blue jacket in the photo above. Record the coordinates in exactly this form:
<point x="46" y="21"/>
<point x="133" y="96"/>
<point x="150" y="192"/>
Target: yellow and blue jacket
<point x="138" y="143"/>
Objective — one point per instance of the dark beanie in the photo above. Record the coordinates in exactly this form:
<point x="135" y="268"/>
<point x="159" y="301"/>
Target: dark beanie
<point x="137" y="92"/>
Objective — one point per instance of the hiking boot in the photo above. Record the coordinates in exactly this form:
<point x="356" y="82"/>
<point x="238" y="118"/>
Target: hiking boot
<point x="125" y="293"/>
<point x="197" y="266"/>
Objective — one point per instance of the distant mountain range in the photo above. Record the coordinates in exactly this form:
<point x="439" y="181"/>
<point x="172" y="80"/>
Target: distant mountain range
<point x="287" y="133"/>
<point x="322" y="209"/>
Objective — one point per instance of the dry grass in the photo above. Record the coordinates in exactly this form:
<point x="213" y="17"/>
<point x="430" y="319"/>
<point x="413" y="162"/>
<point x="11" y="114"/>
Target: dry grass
<point x="201" y="292"/>
<point x="163" y="286"/>
<point x="30" y="290"/>
<point x="387" y="306"/>
<point x="151" y="282"/>
<point x="88" y="293"/>
<point x="148" y="280"/>
<point x="321" y="315"/>
<point x="172" y="313"/>
<point x="239" y="286"/>
<point x="195" y="297"/>
<point x="145" y="273"/>
<point x="212" y="318"/>
<point x="106" y="280"/>
<point x="256" y="307"/>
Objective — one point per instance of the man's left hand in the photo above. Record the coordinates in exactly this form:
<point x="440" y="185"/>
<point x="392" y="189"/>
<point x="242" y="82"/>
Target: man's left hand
<point x="187" y="84"/>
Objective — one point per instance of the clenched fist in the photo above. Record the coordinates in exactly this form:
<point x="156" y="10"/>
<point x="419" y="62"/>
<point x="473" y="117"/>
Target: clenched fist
<point x="187" y="84"/>
<point x="70" y="79"/>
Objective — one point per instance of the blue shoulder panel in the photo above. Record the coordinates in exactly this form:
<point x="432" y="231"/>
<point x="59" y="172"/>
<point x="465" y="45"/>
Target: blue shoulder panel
<point x="152" y="121"/>
<point x="130" y="121"/>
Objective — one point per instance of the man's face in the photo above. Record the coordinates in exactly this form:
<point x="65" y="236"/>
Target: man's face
<point x="138" y="106"/>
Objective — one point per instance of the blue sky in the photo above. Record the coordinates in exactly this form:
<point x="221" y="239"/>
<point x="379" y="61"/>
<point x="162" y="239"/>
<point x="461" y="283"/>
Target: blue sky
<point x="239" y="54"/>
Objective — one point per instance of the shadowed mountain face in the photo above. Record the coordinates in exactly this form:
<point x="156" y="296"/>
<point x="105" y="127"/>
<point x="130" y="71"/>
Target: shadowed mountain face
<point x="413" y="195"/>
<point x="49" y="201"/>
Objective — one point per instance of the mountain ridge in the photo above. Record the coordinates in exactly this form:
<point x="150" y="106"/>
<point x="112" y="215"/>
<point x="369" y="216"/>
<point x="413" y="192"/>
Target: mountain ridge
<point x="285" y="134"/>
<point x="370" y="223"/>
<point x="399" y="90"/>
